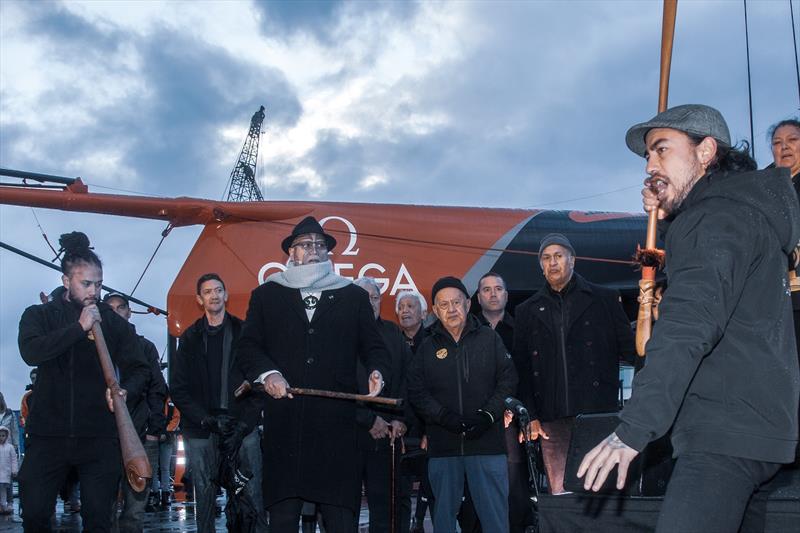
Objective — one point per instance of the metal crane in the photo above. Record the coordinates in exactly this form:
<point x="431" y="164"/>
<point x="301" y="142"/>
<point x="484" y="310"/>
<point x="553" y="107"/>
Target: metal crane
<point x="242" y="186"/>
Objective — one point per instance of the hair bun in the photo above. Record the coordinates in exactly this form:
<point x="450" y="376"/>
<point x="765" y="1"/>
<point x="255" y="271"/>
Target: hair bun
<point x="75" y="241"/>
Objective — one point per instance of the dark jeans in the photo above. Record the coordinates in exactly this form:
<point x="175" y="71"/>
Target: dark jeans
<point x="284" y="517"/>
<point x="203" y="455"/>
<point x="487" y="476"/>
<point x="130" y="520"/>
<point x="709" y="493"/>
<point x="44" y="470"/>
<point x="375" y="466"/>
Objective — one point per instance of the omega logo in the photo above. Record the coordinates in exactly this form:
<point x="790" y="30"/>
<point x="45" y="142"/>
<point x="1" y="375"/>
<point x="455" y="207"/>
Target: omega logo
<point x="402" y="280"/>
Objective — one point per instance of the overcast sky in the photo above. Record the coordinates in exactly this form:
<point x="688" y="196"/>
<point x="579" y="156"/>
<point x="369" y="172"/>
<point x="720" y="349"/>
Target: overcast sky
<point x="506" y="104"/>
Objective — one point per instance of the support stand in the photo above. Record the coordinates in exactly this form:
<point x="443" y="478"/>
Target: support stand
<point x="532" y="451"/>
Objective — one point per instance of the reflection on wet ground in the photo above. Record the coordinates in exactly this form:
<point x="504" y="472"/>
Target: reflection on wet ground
<point x="179" y="517"/>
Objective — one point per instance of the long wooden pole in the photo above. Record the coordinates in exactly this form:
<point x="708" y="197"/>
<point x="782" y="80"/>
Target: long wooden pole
<point x="650" y="255"/>
<point x="396" y="402"/>
<point x="137" y="467"/>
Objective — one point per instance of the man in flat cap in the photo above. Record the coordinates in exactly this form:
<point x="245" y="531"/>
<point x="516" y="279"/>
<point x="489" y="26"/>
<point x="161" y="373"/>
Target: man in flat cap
<point x="308" y="327"/>
<point x="458" y="382"/>
<point x="721" y="366"/>
<point x="568" y="341"/>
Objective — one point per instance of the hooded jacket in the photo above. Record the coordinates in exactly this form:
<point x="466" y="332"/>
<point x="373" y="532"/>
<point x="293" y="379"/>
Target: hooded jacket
<point x="70" y="388"/>
<point x="461" y="377"/>
<point x="8" y="458"/>
<point x="721" y="366"/>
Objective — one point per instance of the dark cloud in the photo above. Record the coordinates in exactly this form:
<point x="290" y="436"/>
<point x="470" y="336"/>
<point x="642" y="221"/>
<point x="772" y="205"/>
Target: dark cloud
<point x="319" y="18"/>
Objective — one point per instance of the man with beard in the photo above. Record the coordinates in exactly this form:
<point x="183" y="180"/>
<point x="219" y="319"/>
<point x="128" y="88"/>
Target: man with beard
<point x="721" y="368"/>
<point x="308" y="327"/>
<point x="71" y="422"/>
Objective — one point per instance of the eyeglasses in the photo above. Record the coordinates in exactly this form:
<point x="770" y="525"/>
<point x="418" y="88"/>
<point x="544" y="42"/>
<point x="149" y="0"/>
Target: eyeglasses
<point x="444" y="306"/>
<point x="374" y="298"/>
<point x="307" y="246"/>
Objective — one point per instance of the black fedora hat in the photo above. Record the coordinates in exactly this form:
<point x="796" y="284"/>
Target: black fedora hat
<point x="306" y="226"/>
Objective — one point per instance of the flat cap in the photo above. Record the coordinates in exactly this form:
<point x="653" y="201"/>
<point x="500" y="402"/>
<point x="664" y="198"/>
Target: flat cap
<point x="694" y="119"/>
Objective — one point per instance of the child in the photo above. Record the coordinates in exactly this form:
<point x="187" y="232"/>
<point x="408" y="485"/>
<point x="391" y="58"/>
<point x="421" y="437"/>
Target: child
<point x="8" y="469"/>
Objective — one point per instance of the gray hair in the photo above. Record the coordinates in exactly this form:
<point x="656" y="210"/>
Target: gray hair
<point x="367" y="281"/>
<point x="408" y="294"/>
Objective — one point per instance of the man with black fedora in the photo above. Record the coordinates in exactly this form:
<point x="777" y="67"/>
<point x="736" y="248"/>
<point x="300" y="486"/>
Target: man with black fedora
<point x="721" y="369"/>
<point x="458" y="382"/>
<point x="568" y="341"/>
<point x="307" y="328"/>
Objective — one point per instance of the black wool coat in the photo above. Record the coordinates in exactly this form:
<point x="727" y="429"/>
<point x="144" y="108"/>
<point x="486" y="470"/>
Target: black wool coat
<point x="310" y="444"/>
<point x="597" y="335"/>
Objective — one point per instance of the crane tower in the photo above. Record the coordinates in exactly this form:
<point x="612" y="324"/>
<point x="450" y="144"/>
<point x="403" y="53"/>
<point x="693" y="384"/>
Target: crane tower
<point x="242" y="183"/>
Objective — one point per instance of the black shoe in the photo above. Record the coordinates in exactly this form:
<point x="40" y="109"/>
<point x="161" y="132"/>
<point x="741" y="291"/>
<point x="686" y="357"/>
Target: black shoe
<point x="417" y="526"/>
<point x="152" y="502"/>
<point x="165" y="499"/>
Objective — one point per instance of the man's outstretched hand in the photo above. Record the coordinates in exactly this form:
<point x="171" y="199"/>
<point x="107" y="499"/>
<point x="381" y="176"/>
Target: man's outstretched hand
<point x="599" y="462"/>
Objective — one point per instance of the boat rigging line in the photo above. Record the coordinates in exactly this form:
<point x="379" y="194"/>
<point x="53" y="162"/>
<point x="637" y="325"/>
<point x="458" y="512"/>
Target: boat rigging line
<point x="749" y="85"/>
<point x="794" y="41"/>
<point x="150" y="308"/>
<point x="164" y="234"/>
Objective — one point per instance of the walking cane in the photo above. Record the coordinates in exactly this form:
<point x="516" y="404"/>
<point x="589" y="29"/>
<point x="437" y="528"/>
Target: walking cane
<point x="392" y="491"/>
<point x="137" y="467"/>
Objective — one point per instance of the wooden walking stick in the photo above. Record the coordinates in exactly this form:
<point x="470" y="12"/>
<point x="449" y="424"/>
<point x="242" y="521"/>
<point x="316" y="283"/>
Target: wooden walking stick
<point x="137" y="467"/>
<point x="395" y="402"/>
<point x="651" y="258"/>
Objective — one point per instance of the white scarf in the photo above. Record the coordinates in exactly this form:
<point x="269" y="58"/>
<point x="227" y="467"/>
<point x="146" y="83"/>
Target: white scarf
<point x="310" y="278"/>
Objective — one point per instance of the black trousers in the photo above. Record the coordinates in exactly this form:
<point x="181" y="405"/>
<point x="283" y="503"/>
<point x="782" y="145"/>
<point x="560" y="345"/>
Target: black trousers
<point x="47" y="462"/>
<point x="284" y="517"/>
<point x="710" y="493"/>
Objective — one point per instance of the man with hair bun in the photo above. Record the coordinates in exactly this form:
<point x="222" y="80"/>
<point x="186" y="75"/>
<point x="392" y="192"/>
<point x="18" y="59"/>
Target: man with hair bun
<point x="71" y="423"/>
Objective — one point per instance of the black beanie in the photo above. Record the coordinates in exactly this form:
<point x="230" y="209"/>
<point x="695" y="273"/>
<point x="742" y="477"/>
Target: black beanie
<point x="445" y="282"/>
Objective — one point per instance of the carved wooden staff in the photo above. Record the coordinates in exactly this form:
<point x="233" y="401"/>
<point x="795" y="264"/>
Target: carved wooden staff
<point x="395" y="402"/>
<point x="137" y="467"/>
<point x="651" y="258"/>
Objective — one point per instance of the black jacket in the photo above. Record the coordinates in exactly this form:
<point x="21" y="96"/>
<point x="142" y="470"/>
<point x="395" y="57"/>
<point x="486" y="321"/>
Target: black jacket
<point x="722" y="363"/>
<point x="504" y="328"/>
<point x="190" y="384"/>
<point x="309" y="445"/>
<point x="400" y="355"/>
<point x="597" y="335"/>
<point x="474" y="373"/>
<point x="147" y="410"/>
<point x="70" y="388"/>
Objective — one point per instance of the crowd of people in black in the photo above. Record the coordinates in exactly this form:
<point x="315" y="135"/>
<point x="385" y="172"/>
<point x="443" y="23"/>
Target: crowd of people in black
<point x="236" y="384"/>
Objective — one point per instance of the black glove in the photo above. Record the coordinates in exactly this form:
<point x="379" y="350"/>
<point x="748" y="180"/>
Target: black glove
<point x="450" y="421"/>
<point x="231" y="440"/>
<point x="477" y="424"/>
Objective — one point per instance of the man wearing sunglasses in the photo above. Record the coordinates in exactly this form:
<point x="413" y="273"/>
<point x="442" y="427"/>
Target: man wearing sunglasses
<point x="308" y="327"/>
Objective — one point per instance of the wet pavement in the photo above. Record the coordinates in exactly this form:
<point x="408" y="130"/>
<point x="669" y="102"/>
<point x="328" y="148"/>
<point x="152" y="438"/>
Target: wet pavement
<point x="179" y="517"/>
